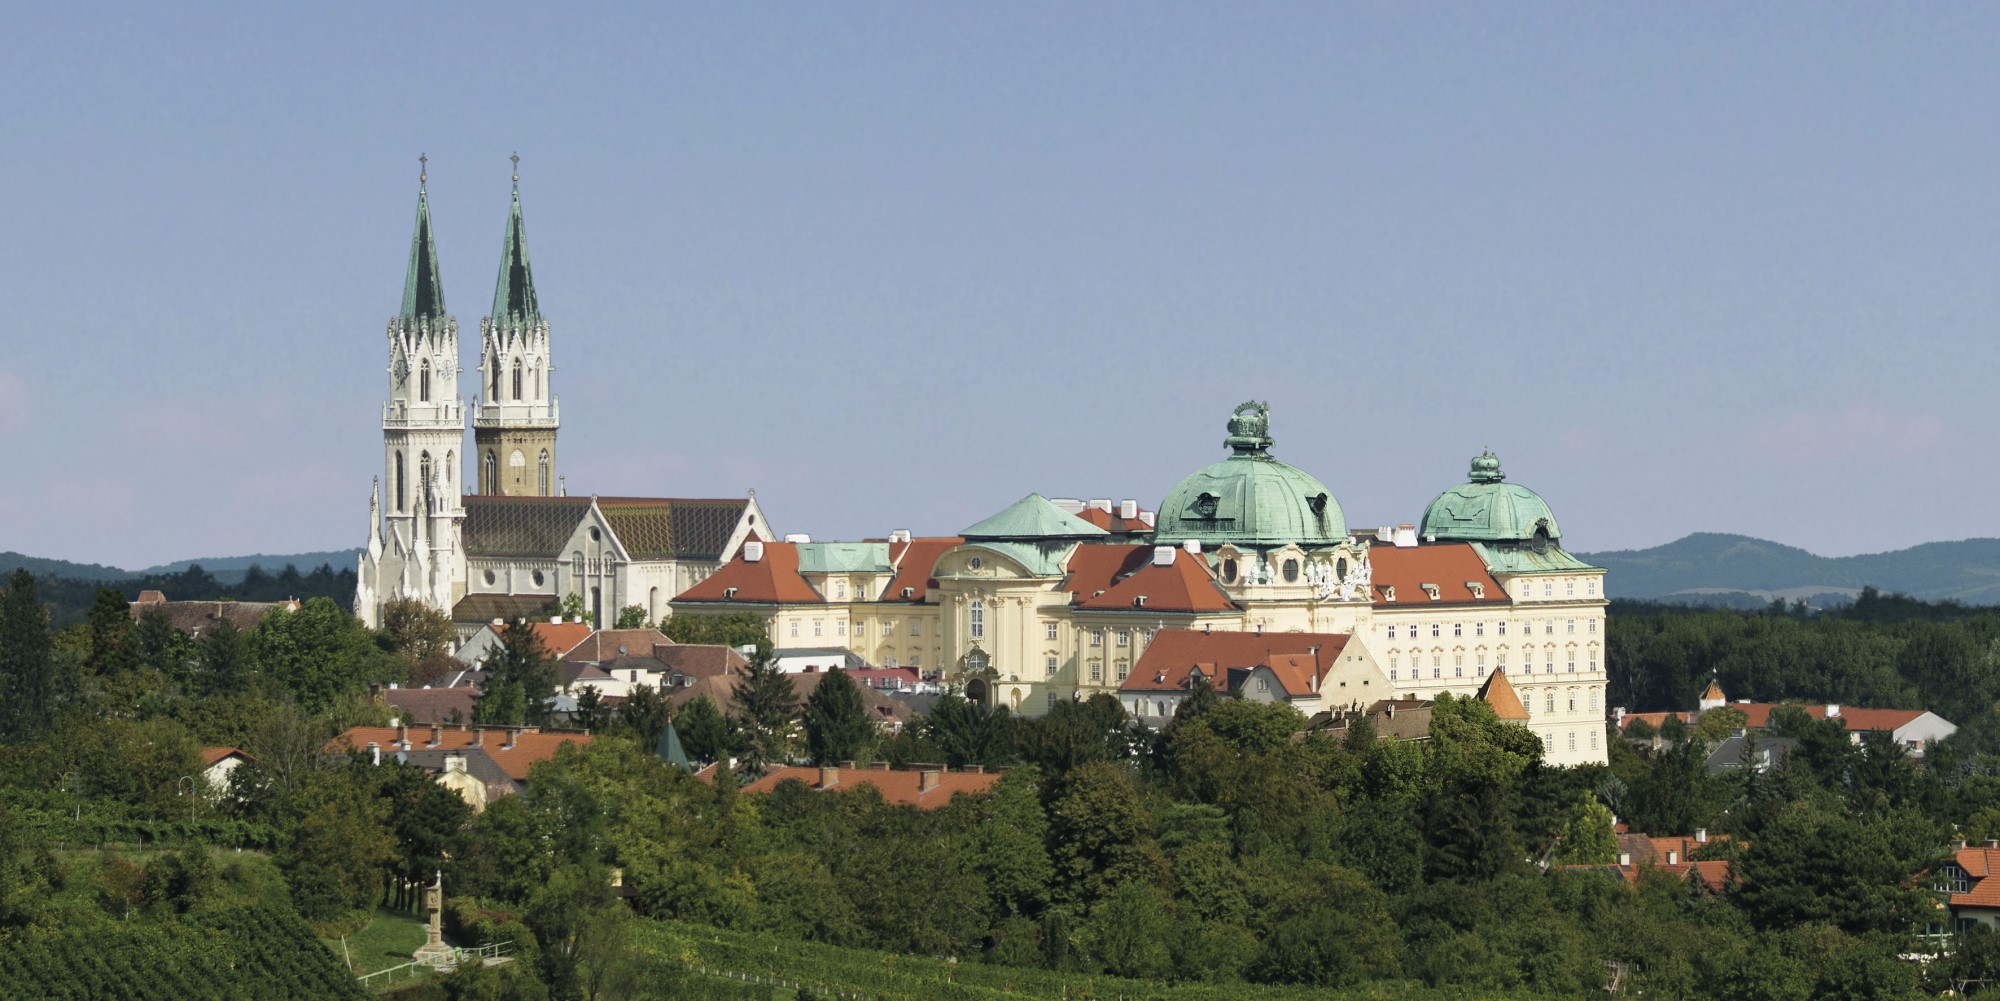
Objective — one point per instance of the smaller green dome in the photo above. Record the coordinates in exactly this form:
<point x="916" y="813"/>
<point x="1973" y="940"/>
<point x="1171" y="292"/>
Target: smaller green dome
<point x="1488" y="509"/>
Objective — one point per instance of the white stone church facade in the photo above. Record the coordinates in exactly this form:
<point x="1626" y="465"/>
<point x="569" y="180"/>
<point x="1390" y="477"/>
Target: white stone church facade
<point x="519" y="543"/>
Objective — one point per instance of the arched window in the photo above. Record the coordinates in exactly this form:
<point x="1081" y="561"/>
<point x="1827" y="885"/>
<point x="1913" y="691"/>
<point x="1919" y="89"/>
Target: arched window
<point x="542" y="474"/>
<point x="539" y="395"/>
<point x="494" y="396"/>
<point x="424" y="382"/>
<point x="517" y="378"/>
<point x="489" y="481"/>
<point x="399" y="481"/>
<point x="424" y="479"/>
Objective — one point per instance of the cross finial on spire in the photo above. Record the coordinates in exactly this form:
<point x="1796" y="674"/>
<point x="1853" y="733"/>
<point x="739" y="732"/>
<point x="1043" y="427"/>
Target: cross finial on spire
<point x="517" y="167"/>
<point x="423" y="168"/>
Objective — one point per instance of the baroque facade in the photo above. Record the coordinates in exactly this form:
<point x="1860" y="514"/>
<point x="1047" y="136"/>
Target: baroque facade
<point x="1035" y="605"/>
<point x="519" y="543"/>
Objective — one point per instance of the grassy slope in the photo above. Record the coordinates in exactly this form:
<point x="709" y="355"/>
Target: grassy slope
<point x="666" y="945"/>
<point x="387" y="940"/>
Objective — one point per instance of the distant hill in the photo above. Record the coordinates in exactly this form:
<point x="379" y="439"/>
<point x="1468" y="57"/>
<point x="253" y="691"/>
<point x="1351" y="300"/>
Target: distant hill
<point x="228" y="569"/>
<point x="1713" y="568"/>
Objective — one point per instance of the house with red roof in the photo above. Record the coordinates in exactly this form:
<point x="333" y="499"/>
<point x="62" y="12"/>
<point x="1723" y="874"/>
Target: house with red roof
<point x="559" y="637"/>
<point x="480" y="763"/>
<point x="1912" y="729"/>
<point x="1970" y="885"/>
<point x="1262" y="667"/>
<point x="923" y="788"/>
<point x="217" y="763"/>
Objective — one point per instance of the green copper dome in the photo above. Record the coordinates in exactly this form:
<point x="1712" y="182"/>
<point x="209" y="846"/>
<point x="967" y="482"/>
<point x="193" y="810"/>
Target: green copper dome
<point x="1487" y="509"/>
<point x="1251" y="499"/>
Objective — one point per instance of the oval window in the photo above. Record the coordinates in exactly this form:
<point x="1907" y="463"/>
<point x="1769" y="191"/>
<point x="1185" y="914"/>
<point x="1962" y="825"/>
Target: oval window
<point x="538" y="578"/>
<point x="490" y="578"/>
<point x="1229" y="571"/>
<point x="975" y="563"/>
<point x="1291" y="571"/>
<point x="1340" y="568"/>
<point x="595" y="535"/>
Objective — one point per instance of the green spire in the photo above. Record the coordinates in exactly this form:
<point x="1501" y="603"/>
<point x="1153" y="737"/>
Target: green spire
<point x="514" y="294"/>
<point x="423" y="292"/>
<point x="669" y="750"/>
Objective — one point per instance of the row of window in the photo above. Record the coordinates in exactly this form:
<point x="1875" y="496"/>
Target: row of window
<point x="1499" y="628"/>
<point x="1479" y="664"/>
<point x="1569" y="588"/>
<point x="1549" y="741"/>
<point x="860" y="628"/>
<point x="494" y="396"/>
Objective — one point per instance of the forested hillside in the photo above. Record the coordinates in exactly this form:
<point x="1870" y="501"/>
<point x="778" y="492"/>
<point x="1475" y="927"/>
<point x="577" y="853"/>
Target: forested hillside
<point x="1739" y="571"/>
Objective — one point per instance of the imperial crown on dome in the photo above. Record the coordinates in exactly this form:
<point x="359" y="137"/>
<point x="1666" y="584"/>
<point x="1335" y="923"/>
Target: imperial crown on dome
<point x="1487" y="509"/>
<point x="1251" y="499"/>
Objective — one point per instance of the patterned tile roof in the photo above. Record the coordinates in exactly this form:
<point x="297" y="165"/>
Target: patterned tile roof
<point x="484" y="608"/>
<point x="521" y="526"/>
<point x="673" y="528"/>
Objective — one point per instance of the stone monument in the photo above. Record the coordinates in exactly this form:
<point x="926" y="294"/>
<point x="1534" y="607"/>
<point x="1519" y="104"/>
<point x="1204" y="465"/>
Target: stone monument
<point x="434" y="947"/>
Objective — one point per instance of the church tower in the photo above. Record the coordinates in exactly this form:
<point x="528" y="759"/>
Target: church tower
<point x="414" y="541"/>
<point x="514" y="429"/>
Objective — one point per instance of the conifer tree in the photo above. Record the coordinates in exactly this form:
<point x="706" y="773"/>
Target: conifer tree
<point x="837" y="723"/>
<point x="110" y="623"/>
<point x="767" y="703"/>
<point x="28" y="689"/>
<point x="523" y="679"/>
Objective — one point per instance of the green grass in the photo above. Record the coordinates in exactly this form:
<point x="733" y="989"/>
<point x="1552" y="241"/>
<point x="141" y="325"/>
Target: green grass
<point x="389" y="938"/>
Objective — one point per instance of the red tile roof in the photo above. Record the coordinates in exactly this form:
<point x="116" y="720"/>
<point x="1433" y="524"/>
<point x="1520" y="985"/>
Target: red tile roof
<point x="604" y="644"/>
<point x="1176" y="656"/>
<point x="1758" y="715"/>
<point x="1110" y="522"/>
<point x="1653" y="718"/>
<point x="559" y="638"/>
<point x="211" y="755"/>
<point x="1096" y="567"/>
<point x="770" y="580"/>
<point x="1499" y="693"/>
<point x="914" y="560"/>
<point x="1979" y="864"/>
<point x="432" y="705"/>
<point x="899" y="788"/>
<point x="1186" y="585"/>
<point x="1650" y="851"/>
<point x="530" y="745"/>
<point x="1448" y="565"/>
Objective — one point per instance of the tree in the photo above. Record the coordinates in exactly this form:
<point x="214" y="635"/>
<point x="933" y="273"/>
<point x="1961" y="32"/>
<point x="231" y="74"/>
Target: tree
<point x="339" y="848"/>
<point x="730" y="629"/>
<point x="222" y="666"/>
<point x="421" y="635"/>
<point x="28" y="687"/>
<point x="573" y="607"/>
<point x="767" y="703"/>
<point x="318" y="651"/>
<point x="110" y="621"/>
<point x="838" y="727"/>
<point x="1589" y="834"/>
<point x="632" y="617"/>
<point x="969" y="733"/>
<point x="523" y="679"/>
<point x="704" y="733"/>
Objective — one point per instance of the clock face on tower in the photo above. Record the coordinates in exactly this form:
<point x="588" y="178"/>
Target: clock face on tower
<point x="401" y="370"/>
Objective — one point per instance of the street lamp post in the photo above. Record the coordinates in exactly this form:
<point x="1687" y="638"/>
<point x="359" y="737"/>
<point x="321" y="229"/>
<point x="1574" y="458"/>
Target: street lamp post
<point x="189" y="792"/>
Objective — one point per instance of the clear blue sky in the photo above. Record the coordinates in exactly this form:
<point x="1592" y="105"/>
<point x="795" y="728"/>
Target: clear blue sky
<point x="1722" y="267"/>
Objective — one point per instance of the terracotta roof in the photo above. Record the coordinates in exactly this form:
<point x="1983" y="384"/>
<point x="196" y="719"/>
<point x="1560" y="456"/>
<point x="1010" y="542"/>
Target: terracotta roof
<point x="1096" y="567"/>
<point x="1653" y="718"/>
<point x="1184" y="586"/>
<point x="652" y="528"/>
<point x="1448" y="565"/>
<point x="606" y="644"/>
<point x="1979" y="864"/>
<point x="1176" y="656"/>
<point x="506" y="607"/>
<point x="914" y="560"/>
<point x="1758" y="715"/>
<point x="1499" y="693"/>
<point x="770" y="580"/>
<point x="901" y="788"/>
<point x="432" y="705"/>
<point x="1713" y="691"/>
<point x="211" y="755"/>
<point x="1110" y="522"/>
<point x="1297" y="672"/>
<point x="530" y="745"/>
<point x="1393" y="719"/>
<point x="702" y="660"/>
<point x="1644" y="850"/>
<point x="559" y="638"/>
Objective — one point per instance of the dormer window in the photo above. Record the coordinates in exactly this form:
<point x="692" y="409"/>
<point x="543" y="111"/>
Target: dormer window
<point x="1478" y="590"/>
<point x="1389" y="593"/>
<point x="1432" y="590"/>
<point x="729" y="594"/>
<point x="1205" y="506"/>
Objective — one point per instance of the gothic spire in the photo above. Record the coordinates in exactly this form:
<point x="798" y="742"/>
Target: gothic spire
<point x="423" y="291"/>
<point x="514" y="294"/>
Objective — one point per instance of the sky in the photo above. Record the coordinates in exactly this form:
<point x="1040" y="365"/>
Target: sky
<point x="1683" y="267"/>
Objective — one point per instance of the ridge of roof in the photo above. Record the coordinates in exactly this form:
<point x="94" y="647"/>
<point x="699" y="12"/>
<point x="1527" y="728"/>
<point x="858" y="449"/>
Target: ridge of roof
<point x="1499" y="693"/>
<point x="1032" y="517"/>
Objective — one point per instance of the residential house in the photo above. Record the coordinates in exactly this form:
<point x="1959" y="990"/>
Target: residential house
<point x="480" y="763"/>
<point x="924" y="788"/>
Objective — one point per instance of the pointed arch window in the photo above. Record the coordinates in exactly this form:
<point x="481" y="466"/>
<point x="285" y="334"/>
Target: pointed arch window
<point x="424" y="479"/>
<point x="542" y="473"/>
<point x="517" y="379"/>
<point x="399" y="481"/>
<point x="424" y="382"/>
<point x="494" y="396"/>
<point x="450" y="464"/>
<point x="539" y="395"/>
<point x="489" y="481"/>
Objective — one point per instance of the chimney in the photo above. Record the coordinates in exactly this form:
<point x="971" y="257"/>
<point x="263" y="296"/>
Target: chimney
<point x="880" y="766"/>
<point x="1833" y="710"/>
<point x="478" y="737"/>
<point x="374" y="753"/>
<point x="753" y="551"/>
<point x="1101" y="504"/>
<point x="1146" y="518"/>
<point x="555" y="620"/>
<point x="403" y="737"/>
<point x="1673" y="857"/>
<point x="1391" y="711"/>
<point x="1701" y="835"/>
<point x="928" y="779"/>
<point x="1992" y="843"/>
<point x="975" y="769"/>
<point x="1193" y="546"/>
<point x="829" y="776"/>
<point x="847" y="764"/>
<point x="437" y="735"/>
<point x="1128" y="509"/>
<point x="1624" y="860"/>
<point x="513" y="733"/>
